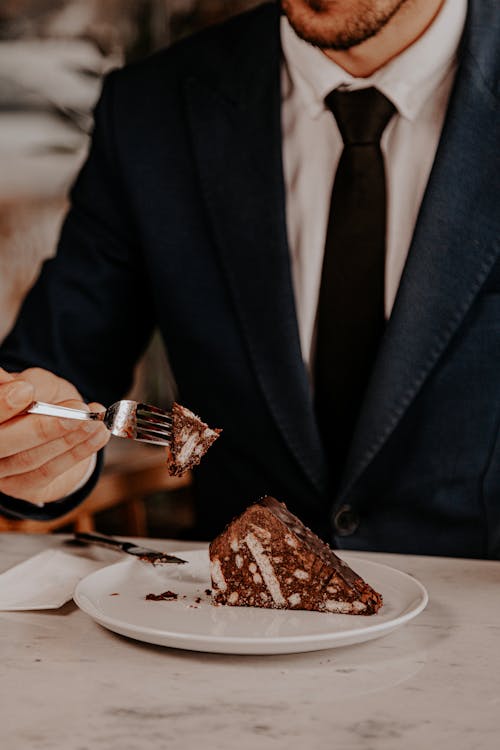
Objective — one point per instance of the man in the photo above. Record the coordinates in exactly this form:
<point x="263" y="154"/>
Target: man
<point x="346" y="339"/>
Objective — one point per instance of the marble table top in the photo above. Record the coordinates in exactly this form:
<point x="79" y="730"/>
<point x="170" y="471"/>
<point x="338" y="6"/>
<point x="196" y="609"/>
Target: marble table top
<point x="68" y="684"/>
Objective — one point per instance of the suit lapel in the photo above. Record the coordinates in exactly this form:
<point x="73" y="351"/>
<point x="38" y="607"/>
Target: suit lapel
<point x="454" y="248"/>
<point x="236" y="133"/>
<point x="234" y="117"/>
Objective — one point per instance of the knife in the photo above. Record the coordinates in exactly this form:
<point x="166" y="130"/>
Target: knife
<point x="143" y="553"/>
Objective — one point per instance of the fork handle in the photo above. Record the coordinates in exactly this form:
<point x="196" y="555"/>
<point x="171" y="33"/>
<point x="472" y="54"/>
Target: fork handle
<point x="103" y="541"/>
<point x="51" y="410"/>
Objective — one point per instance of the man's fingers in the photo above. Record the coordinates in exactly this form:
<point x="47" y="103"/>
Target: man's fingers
<point x="5" y="377"/>
<point x="30" y="460"/>
<point x="22" y="433"/>
<point x="49" y="387"/>
<point x="19" y="390"/>
<point x="41" y="477"/>
<point x="15" y="397"/>
<point x="94" y="406"/>
<point x="42" y="458"/>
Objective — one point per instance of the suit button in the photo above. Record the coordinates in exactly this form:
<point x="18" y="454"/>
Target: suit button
<point x="346" y="521"/>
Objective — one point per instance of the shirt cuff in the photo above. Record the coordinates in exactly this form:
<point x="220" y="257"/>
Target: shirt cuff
<point x="11" y="507"/>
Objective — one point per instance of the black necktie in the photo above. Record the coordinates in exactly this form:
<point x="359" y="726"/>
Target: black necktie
<point x="350" y="319"/>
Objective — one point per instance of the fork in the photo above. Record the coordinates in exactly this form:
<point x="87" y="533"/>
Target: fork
<point x="143" y="553"/>
<point x="125" y="419"/>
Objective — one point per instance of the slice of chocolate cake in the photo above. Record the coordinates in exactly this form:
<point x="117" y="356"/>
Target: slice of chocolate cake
<point x="267" y="558"/>
<point x="191" y="438"/>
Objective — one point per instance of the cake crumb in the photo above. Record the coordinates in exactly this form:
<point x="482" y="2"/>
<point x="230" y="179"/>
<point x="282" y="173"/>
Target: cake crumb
<point x="167" y="596"/>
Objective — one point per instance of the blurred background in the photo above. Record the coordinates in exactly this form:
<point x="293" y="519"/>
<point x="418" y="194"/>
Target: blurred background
<point x="53" y="55"/>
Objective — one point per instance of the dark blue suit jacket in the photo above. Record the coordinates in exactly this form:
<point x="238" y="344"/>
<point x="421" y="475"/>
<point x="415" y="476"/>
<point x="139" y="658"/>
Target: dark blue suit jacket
<point x="178" y="219"/>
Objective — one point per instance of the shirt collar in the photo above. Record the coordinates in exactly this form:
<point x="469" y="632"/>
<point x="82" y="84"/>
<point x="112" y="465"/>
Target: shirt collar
<point x="407" y="80"/>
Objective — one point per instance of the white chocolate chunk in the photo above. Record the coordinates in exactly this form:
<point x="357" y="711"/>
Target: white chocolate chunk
<point x="344" y="607"/>
<point x="266" y="569"/>
<point x="301" y="574"/>
<point x="263" y="534"/>
<point x="217" y="575"/>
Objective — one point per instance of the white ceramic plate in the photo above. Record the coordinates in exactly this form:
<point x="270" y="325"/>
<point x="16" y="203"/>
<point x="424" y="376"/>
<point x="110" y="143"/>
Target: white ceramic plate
<point x="115" y="597"/>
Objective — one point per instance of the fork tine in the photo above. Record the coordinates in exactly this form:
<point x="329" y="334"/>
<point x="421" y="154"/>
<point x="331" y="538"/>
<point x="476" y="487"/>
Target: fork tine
<point x="145" y="437"/>
<point x="146" y="422"/>
<point x="154" y="412"/>
<point x="150" y="407"/>
<point x="152" y="430"/>
<point x="152" y="441"/>
<point x="162" y="416"/>
<point x="162" y="424"/>
<point x="154" y="423"/>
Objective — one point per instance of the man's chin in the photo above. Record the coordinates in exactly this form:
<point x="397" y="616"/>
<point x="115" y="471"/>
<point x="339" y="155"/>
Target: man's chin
<point x="335" y="25"/>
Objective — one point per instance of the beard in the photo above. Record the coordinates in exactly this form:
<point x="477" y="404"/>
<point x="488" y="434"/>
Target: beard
<point x="339" y="24"/>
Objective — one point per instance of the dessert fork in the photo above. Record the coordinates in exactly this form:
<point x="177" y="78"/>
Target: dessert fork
<point x="125" y="419"/>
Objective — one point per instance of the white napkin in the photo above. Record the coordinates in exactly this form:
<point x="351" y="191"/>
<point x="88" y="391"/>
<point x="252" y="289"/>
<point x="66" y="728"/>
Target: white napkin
<point x="45" y="581"/>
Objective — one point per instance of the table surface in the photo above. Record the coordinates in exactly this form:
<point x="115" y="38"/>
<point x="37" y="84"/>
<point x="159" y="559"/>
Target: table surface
<point x="68" y="684"/>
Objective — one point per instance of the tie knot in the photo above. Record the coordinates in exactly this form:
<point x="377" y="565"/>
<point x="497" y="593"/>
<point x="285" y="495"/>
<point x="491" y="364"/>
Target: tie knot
<point x="361" y="115"/>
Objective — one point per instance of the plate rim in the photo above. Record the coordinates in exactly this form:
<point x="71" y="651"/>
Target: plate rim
<point x="373" y="629"/>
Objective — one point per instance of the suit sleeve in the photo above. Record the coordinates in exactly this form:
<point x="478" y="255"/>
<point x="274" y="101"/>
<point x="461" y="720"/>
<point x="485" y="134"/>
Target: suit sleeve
<point x="89" y="316"/>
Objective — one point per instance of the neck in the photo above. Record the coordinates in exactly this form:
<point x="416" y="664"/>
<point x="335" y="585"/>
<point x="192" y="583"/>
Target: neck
<point x="405" y="27"/>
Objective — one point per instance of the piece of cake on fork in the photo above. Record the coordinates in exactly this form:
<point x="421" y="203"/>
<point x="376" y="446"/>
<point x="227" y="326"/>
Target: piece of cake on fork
<point x="190" y="440"/>
<point x="266" y="557"/>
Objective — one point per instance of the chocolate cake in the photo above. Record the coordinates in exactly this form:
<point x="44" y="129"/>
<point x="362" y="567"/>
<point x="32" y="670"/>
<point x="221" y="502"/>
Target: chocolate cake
<point x="191" y="438"/>
<point x="266" y="557"/>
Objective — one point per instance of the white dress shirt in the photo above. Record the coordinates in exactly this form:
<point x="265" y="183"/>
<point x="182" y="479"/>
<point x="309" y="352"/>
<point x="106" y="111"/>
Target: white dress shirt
<point x="418" y="82"/>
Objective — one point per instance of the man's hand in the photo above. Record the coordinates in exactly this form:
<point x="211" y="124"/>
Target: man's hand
<point x="43" y="458"/>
